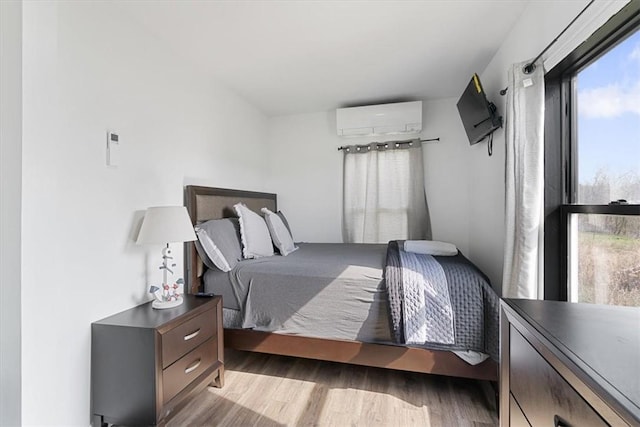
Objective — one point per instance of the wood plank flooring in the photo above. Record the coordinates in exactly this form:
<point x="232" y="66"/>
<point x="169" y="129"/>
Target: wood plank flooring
<point x="266" y="390"/>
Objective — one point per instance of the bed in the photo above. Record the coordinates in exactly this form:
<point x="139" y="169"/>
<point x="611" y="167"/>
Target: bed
<point x="334" y="337"/>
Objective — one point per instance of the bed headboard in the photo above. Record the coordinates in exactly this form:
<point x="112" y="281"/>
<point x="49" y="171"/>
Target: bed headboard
<point x="205" y="203"/>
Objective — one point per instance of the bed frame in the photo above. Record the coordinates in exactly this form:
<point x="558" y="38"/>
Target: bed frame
<point x="205" y="203"/>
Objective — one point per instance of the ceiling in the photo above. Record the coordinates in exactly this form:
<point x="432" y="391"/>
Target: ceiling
<point x="289" y="57"/>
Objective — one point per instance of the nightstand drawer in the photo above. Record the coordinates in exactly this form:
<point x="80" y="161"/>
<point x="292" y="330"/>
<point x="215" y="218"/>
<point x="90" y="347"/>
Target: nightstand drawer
<point x="187" y="336"/>
<point x="177" y="376"/>
<point x="544" y="396"/>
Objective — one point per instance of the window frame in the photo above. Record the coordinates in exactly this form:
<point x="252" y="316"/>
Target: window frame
<point x="560" y="188"/>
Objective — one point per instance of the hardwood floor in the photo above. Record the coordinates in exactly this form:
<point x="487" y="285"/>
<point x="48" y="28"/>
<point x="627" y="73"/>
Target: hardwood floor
<point x="267" y="390"/>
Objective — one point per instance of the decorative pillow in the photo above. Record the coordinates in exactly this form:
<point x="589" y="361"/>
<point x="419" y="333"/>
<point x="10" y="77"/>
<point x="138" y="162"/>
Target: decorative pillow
<point x="286" y="223"/>
<point x="256" y="241"/>
<point x="218" y="243"/>
<point x="280" y="235"/>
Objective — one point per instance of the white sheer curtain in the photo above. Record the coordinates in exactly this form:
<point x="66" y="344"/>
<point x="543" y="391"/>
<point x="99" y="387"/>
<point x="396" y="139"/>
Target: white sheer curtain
<point x="524" y="215"/>
<point x="383" y="197"/>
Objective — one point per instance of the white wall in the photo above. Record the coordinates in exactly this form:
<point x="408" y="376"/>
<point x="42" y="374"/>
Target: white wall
<point x="10" y="209"/>
<point x="447" y="178"/>
<point x="305" y="170"/>
<point x="87" y="69"/>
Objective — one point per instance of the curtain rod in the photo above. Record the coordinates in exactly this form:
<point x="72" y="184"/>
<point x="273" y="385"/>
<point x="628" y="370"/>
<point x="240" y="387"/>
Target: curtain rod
<point x="395" y="142"/>
<point x="530" y="67"/>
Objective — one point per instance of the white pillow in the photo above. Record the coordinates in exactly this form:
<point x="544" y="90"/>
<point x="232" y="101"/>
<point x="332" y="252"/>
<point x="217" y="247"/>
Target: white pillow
<point x="430" y="247"/>
<point x="256" y="241"/>
<point x="279" y="233"/>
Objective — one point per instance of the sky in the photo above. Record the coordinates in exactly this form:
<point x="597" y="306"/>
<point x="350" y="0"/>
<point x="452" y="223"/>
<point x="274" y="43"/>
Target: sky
<point x="609" y="112"/>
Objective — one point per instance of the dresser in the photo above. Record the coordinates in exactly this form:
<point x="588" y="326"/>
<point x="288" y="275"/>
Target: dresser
<point x="146" y="363"/>
<point x="566" y="364"/>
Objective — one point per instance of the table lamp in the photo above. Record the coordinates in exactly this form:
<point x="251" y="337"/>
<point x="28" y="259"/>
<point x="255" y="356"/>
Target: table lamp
<point x="163" y="225"/>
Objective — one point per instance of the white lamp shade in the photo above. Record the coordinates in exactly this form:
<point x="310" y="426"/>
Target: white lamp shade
<point x="166" y="224"/>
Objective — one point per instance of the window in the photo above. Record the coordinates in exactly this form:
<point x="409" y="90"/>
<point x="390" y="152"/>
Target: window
<point x="592" y="168"/>
<point x="384" y="195"/>
<point x="604" y="259"/>
<point x="607" y="141"/>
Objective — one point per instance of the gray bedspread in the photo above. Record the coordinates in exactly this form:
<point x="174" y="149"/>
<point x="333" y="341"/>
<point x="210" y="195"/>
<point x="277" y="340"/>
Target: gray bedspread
<point x="426" y="310"/>
<point x="323" y="290"/>
<point x="471" y="303"/>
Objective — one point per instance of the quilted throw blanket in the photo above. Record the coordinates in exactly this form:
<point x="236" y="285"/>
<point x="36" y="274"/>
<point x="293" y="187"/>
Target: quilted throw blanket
<point x="442" y="302"/>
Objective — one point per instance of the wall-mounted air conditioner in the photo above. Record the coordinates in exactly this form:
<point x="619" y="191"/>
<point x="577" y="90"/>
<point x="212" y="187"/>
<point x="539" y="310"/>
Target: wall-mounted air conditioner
<point x="396" y="118"/>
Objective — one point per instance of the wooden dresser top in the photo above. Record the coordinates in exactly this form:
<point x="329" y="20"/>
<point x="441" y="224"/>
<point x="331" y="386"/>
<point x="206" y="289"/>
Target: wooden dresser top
<point x="603" y="341"/>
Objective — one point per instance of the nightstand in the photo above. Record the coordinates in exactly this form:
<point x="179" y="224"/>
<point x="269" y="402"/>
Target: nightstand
<point x="145" y="363"/>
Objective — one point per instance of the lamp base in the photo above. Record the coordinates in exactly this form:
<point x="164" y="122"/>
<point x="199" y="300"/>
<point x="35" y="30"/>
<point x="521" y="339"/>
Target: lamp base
<point x="161" y="305"/>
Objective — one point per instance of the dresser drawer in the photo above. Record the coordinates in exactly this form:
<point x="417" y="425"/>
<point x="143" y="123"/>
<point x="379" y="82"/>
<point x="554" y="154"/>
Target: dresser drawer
<point x="545" y="397"/>
<point x="187" y="336"/>
<point x="516" y="417"/>
<point x="186" y="369"/>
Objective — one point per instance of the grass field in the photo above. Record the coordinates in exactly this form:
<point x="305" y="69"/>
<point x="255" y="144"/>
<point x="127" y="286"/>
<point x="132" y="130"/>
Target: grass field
<point x="609" y="269"/>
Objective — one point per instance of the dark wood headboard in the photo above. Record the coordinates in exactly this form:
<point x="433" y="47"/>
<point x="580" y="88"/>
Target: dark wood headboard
<point x="205" y="203"/>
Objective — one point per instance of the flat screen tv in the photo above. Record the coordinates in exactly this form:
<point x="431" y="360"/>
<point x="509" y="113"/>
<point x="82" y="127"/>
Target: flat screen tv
<point x="478" y="115"/>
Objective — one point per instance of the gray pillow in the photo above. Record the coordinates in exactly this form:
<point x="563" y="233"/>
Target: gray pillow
<point x="219" y="243"/>
<point x="285" y="222"/>
<point x="256" y="240"/>
<point x="279" y="233"/>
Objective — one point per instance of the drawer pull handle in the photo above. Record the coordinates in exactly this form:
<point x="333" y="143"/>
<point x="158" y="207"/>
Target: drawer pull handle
<point x="192" y="335"/>
<point x="193" y="367"/>
<point x="559" y="422"/>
